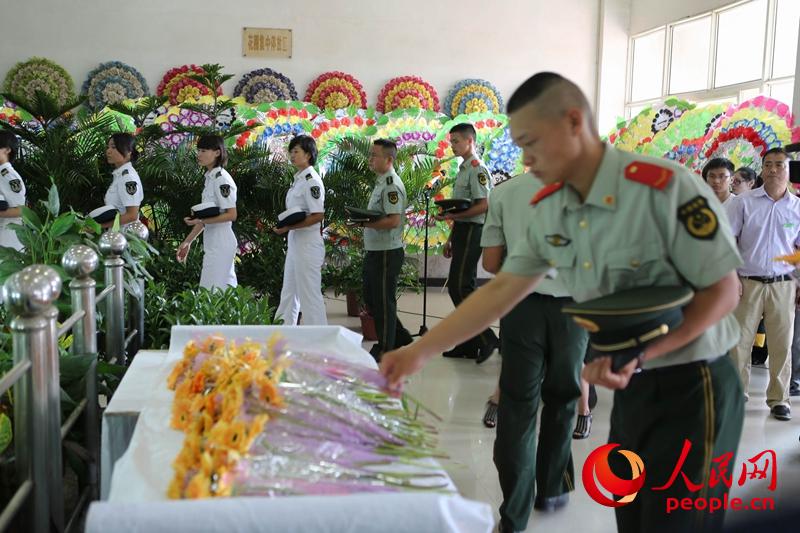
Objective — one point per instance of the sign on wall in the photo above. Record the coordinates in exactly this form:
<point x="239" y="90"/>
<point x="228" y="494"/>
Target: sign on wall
<point x="266" y="42"/>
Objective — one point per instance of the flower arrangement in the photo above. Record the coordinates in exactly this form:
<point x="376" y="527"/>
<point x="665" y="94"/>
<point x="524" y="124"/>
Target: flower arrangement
<point x="329" y="127"/>
<point x="407" y="91"/>
<point x="10" y="113"/>
<point x="265" y="86"/>
<point x="178" y="85"/>
<point x="177" y="116"/>
<point x="682" y="141"/>
<point x="473" y="96"/>
<point x="40" y="74"/>
<point x="260" y="419"/>
<point x="111" y="83"/>
<point x="504" y="156"/>
<point x="410" y="126"/>
<point x="336" y="90"/>
<point x="487" y="127"/>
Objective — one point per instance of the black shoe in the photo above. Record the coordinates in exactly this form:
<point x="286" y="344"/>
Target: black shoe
<point x="490" y="416"/>
<point x="459" y="353"/>
<point x="485" y="352"/>
<point x="548" y="505"/>
<point x="583" y="427"/>
<point x="592" y="397"/>
<point x="781" y="412"/>
<point x="376" y="352"/>
<point x="505" y="527"/>
<point x="404" y="342"/>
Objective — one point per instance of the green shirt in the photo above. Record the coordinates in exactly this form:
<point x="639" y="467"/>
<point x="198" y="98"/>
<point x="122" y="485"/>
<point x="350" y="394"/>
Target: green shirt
<point x="388" y="197"/>
<point x="508" y="219"/>
<point x="473" y="181"/>
<point x="628" y="234"/>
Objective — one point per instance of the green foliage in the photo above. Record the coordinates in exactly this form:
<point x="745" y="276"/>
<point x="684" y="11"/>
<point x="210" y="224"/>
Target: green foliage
<point x="234" y="305"/>
<point x="63" y="149"/>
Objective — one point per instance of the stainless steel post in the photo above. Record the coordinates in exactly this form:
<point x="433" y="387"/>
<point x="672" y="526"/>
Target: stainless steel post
<point x="80" y="262"/>
<point x="29" y="296"/>
<point x="112" y="245"/>
<point x="136" y="302"/>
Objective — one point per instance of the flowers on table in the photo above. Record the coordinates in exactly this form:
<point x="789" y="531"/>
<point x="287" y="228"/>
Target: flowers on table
<point x="111" y="83"/>
<point x="407" y="91"/>
<point x="336" y="90"/>
<point x="178" y="85"/>
<point x="40" y="74"/>
<point x="265" y="86"/>
<point x="261" y="419"/>
<point x="473" y="96"/>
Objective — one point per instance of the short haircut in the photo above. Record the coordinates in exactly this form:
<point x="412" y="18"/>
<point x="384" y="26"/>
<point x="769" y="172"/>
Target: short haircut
<point x="307" y="144"/>
<point x="557" y="93"/>
<point x="716" y="163"/>
<point x="776" y="150"/>
<point x="389" y="147"/>
<point x="466" y="129"/>
<point x="125" y="144"/>
<point x="10" y="141"/>
<point x="748" y="174"/>
<point x="214" y="142"/>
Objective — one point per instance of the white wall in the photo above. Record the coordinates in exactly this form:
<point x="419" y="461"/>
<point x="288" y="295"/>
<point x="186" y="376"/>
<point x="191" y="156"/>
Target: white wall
<point x="648" y="14"/>
<point x="611" y="85"/>
<point x="503" y="42"/>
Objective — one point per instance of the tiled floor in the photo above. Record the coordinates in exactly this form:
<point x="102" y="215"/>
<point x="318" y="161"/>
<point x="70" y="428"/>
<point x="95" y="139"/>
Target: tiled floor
<point x="457" y="391"/>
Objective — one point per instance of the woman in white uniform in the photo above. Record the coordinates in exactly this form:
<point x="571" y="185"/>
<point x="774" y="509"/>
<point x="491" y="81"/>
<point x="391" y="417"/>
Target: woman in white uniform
<point x="302" y="272"/>
<point x="219" y="242"/>
<point x="125" y="192"/>
<point x="12" y="188"/>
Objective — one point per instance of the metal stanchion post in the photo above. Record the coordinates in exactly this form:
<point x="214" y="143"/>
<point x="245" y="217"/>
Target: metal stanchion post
<point x="136" y="302"/>
<point x="112" y="245"/>
<point x="29" y="296"/>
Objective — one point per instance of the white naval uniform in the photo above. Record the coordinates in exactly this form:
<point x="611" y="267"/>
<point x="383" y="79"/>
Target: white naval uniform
<point x="125" y="190"/>
<point x="13" y="188"/>
<point x="302" y="272"/>
<point x="219" y="242"/>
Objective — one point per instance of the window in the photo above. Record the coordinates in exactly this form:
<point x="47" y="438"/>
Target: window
<point x="741" y="35"/>
<point x="730" y="54"/>
<point x="786" y="25"/>
<point x="648" y="66"/>
<point x="691" y="45"/>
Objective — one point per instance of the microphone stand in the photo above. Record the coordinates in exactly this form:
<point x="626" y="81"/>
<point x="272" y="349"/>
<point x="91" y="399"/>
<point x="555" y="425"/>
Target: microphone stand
<point x="423" y="329"/>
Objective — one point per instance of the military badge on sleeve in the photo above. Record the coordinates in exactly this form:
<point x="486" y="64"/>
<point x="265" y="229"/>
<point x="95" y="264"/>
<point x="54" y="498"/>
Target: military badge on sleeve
<point x="225" y="190"/>
<point x="483" y="179"/>
<point x="315" y="192"/>
<point x="698" y="218"/>
<point x="393" y="197"/>
<point x="130" y="187"/>
<point x="16" y="185"/>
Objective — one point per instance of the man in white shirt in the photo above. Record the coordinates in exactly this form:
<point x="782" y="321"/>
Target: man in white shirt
<point x="766" y="223"/>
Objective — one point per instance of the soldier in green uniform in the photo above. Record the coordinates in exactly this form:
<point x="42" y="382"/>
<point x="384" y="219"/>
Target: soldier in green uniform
<point x="542" y="352"/>
<point x="473" y="182"/>
<point x="609" y="221"/>
<point x="383" y="243"/>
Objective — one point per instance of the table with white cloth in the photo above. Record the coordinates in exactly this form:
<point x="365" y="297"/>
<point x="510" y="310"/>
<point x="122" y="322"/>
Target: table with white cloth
<point x="136" y="494"/>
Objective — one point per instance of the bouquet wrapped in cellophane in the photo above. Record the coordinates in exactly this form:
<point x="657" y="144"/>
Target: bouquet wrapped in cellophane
<point x="261" y="419"/>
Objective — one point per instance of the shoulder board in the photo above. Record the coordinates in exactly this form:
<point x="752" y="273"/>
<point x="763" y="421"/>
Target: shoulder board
<point x="125" y="172"/>
<point x="654" y="176"/>
<point x="218" y="174"/>
<point x="309" y="176"/>
<point x="546" y="191"/>
<point x="389" y="180"/>
<point x="475" y="162"/>
<point x="4" y="172"/>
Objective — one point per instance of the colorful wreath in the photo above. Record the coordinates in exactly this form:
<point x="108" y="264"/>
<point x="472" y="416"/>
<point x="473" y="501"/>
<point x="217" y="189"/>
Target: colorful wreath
<point x="405" y="92"/>
<point x="178" y="86"/>
<point x="336" y="90"/>
<point x="473" y="96"/>
<point x="111" y="83"/>
<point x="40" y="74"/>
<point x="264" y="86"/>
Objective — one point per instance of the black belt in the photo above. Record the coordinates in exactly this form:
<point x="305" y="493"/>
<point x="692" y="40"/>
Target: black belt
<point x="467" y="222"/>
<point x="770" y="279"/>
<point x="679" y="368"/>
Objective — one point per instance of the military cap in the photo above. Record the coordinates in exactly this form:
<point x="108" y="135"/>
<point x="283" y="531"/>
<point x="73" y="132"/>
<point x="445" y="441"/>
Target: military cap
<point x="3" y="203"/>
<point x="205" y="210"/>
<point x="620" y="325"/>
<point x="291" y="216"/>
<point x="454" y="205"/>
<point x="355" y="214"/>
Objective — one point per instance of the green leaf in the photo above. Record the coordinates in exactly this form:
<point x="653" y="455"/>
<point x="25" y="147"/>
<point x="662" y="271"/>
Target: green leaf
<point x="62" y="224"/>
<point x="330" y="114"/>
<point x="384" y="120"/>
<point x="6" y="433"/>
<point x="115" y="226"/>
<point x="280" y="104"/>
<point x="30" y="217"/>
<point x="370" y="131"/>
<point x="297" y="105"/>
<point x="53" y="202"/>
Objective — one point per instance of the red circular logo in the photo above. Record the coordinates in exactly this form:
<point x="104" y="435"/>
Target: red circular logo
<point x="596" y="466"/>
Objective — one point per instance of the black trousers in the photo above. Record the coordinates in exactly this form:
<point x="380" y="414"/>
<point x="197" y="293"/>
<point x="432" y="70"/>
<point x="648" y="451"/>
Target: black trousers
<point x="381" y="271"/>
<point x="462" y="279"/>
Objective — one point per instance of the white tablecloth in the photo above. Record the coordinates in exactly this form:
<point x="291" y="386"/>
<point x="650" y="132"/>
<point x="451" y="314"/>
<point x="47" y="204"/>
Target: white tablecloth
<point x="141" y="476"/>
